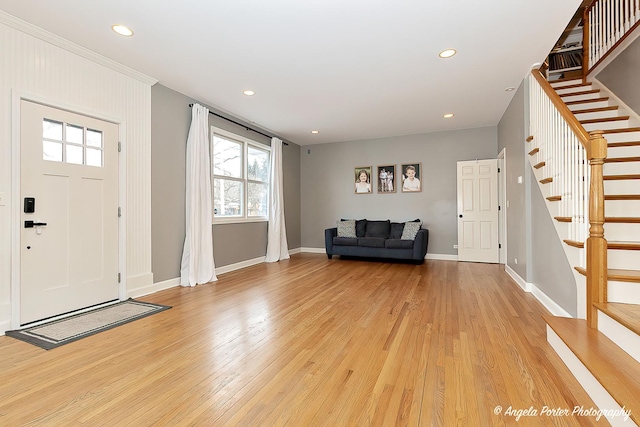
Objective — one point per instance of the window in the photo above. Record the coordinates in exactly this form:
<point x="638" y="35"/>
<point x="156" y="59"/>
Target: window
<point x="68" y="143"/>
<point x="240" y="178"/>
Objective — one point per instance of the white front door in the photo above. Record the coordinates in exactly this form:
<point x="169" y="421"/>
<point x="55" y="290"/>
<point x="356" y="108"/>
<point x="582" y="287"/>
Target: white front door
<point x="69" y="213"/>
<point x="478" y="211"/>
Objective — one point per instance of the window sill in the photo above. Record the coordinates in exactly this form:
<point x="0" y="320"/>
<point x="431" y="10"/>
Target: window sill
<point x="220" y="221"/>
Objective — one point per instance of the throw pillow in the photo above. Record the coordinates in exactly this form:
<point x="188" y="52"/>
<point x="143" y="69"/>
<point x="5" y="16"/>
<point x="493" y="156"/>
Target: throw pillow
<point x="396" y="230"/>
<point x="410" y="230"/>
<point x="378" y="229"/>
<point x="361" y="226"/>
<point x="347" y="228"/>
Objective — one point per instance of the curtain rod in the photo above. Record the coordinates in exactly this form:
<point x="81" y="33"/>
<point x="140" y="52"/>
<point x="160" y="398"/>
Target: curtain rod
<point x="240" y="124"/>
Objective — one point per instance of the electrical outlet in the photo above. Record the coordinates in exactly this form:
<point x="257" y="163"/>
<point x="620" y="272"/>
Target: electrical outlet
<point x="455" y="246"/>
<point x="515" y="260"/>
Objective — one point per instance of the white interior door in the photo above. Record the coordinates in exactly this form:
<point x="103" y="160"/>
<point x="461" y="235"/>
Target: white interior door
<point x="69" y="243"/>
<point x="478" y="211"/>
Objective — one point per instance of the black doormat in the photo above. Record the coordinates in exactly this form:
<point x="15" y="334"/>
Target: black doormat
<point x="63" y="331"/>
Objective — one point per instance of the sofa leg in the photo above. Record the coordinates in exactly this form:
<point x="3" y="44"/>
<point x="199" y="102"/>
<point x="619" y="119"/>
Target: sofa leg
<point x="329" y="256"/>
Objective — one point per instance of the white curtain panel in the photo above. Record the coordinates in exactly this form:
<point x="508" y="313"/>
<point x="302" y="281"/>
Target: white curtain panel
<point x="277" y="248"/>
<point x="197" y="255"/>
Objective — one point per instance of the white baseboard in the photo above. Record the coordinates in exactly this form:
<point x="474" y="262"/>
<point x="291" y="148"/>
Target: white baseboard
<point x="238" y="265"/>
<point x="313" y="250"/>
<point x="543" y="298"/>
<point x="600" y="396"/>
<point x="624" y="338"/>
<point x="442" y="257"/>
<point x="295" y="251"/>
<point x="156" y="287"/>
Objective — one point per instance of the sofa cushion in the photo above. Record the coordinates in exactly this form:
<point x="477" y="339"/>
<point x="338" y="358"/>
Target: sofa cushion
<point x="345" y="241"/>
<point x="398" y="244"/>
<point x="410" y="230"/>
<point x="396" y="230"/>
<point x="347" y="228"/>
<point x="378" y="229"/>
<point x="361" y="226"/>
<point x="371" y="242"/>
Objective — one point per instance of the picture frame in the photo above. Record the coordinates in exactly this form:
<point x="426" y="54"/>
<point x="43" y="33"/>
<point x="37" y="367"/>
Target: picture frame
<point x="411" y="177"/>
<point x="386" y="178"/>
<point x="362" y="180"/>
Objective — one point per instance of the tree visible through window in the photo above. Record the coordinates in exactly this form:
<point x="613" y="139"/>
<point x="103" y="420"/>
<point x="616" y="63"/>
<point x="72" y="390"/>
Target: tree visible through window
<point x="240" y="177"/>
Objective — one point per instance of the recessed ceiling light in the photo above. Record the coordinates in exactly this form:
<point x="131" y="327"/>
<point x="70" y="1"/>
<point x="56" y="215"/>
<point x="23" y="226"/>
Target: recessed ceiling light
<point x="447" y="53"/>
<point x="249" y="92"/>
<point x="123" y="30"/>
<point x="448" y="115"/>
<point x="315" y="131"/>
<point x="510" y="89"/>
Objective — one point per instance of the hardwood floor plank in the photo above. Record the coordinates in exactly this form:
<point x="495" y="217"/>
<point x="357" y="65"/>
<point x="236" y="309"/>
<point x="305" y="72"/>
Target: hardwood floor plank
<point x="307" y="342"/>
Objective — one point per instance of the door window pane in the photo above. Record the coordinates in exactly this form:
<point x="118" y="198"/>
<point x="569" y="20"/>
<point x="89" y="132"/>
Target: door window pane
<point x="94" y="138"/>
<point x="52" y="151"/>
<point x="52" y="130"/>
<point x="257" y="198"/>
<point x="74" y="154"/>
<point x="227" y="197"/>
<point x="75" y="134"/>
<point x="227" y="157"/>
<point x="94" y="157"/>
<point x="257" y="164"/>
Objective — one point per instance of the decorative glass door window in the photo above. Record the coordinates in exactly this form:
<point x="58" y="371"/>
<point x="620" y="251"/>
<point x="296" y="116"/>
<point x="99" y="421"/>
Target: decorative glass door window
<point x="68" y="143"/>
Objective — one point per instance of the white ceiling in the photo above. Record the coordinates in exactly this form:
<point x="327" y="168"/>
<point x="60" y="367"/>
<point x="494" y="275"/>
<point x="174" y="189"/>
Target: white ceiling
<point x="352" y="69"/>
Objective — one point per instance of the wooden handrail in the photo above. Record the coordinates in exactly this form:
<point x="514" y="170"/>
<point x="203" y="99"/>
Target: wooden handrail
<point x="564" y="111"/>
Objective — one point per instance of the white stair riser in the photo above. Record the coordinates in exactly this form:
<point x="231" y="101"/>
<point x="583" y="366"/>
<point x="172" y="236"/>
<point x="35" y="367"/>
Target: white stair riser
<point x="567" y="83"/>
<point x="574" y="89"/>
<point x="622" y="232"/>
<point x="623" y="259"/>
<point x="623" y="292"/>
<point x="622" y="136"/>
<point x="622" y="186"/>
<point x="618" y="124"/>
<point x="582" y="97"/>
<point x="621" y="207"/>
<point x="619" y="334"/>
<point x="621" y="168"/>
<point x="585" y="105"/>
<point x="626" y="151"/>
<point x="597" y="115"/>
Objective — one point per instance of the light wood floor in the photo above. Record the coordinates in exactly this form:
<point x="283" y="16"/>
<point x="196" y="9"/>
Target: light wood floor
<point x="305" y="342"/>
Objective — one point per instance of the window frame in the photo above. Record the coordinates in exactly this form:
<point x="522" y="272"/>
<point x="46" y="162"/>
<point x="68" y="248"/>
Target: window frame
<point x="246" y="143"/>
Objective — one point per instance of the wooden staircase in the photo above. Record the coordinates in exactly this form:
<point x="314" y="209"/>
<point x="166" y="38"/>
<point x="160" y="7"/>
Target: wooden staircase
<point x="609" y="354"/>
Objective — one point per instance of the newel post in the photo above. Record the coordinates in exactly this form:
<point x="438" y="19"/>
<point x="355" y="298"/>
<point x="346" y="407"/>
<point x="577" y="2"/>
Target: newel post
<point x="596" y="243"/>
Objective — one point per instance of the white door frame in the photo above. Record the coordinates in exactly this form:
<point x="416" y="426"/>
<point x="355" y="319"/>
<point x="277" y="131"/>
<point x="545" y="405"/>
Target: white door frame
<point x="16" y="98"/>
<point x="502" y="201"/>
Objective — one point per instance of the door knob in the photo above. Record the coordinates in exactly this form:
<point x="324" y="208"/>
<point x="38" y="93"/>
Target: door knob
<point x="460" y="215"/>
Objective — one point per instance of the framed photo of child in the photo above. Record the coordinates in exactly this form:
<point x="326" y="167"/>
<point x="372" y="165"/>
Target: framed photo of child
<point x="386" y="177"/>
<point x="411" y="176"/>
<point x="362" y="180"/>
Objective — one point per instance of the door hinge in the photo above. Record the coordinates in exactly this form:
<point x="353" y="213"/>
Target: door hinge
<point x="498" y="170"/>
<point x="119" y="146"/>
<point x="118" y="277"/>
<point x="499" y="208"/>
<point x="499" y="245"/>
<point x="119" y="212"/>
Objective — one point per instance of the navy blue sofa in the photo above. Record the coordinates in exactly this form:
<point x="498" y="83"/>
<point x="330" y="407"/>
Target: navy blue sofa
<point x="377" y="239"/>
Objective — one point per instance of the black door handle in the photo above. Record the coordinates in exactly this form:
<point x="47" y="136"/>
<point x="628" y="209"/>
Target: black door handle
<point x="31" y="224"/>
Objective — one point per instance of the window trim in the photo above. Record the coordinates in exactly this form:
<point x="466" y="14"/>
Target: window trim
<point x="246" y="142"/>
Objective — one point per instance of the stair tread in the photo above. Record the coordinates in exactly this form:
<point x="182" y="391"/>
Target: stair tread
<point x="622" y="219"/>
<point x="563" y="218"/>
<point x="618" y="372"/>
<point x="623" y="144"/>
<point x="534" y="151"/>
<point x="626" y="314"/>
<point x="539" y="165"/>
<point x="621" y="159"/>
<point x="610" y="244"/>
<point x="621" y="130"/>
<point x="617" y="274"/>
<point x="622" y="196"/>
<point x="596" y="110"/>
<point x="586" y="101"/>
<point x="554" y="198"/>
<point x="571" y="86"/>
<point x="584" y="92"/>
<point x="604" y="119"/>
<point x="621" y="177"/>
<point x="574" y="243"/>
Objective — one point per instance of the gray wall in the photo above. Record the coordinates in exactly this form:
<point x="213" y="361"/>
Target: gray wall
<point x="622" y="76"/>
<point x="531" y="234"/>
<point x="170" y="121"/>
<point x="328" y="183"/>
